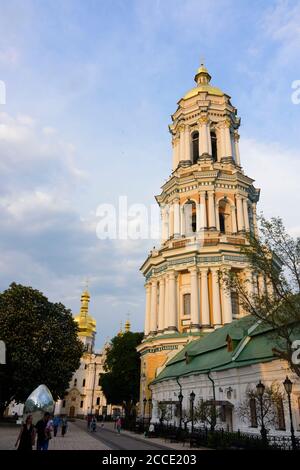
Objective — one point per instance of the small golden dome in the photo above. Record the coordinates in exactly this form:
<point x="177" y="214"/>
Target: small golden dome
<point x="202" y="78"/>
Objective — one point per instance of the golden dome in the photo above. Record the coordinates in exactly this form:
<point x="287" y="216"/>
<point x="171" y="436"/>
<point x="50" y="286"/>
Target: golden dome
<point x="127" y="326"/>
<point x="202" y="78"/>
<point x="86" y="323"/>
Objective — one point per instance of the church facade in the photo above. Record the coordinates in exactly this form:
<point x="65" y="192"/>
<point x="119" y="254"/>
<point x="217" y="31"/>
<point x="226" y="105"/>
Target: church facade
<point x="84" y="395"/>
<point x="208" y="207"/>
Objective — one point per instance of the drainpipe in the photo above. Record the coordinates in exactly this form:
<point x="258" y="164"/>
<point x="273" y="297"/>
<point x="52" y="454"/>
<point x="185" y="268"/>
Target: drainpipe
<point x="180" y="397"/>
<point x="214" y="417"/>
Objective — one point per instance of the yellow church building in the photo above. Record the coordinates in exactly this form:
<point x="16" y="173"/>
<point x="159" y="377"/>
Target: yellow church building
<point x="84" y="395"/>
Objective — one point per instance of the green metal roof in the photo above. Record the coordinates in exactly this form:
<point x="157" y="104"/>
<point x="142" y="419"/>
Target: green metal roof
<point x="253" y="343"/>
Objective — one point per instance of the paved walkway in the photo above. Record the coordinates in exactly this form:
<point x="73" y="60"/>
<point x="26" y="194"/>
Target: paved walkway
<point x="131" y="441"/>
<point x="106" y="438"/>
<point x="75" y="439"/>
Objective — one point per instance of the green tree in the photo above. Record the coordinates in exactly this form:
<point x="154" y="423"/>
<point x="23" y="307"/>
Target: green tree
<point x="121" y="381"/>
<point x="274" y="256"/>
<point x="41" y="344"/>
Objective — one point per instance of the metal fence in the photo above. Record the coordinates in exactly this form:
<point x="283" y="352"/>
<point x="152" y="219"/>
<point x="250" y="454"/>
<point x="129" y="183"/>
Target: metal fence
<point x="217" y="439"/>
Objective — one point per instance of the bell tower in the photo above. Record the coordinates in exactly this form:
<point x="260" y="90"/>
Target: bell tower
<point x="208" y="207"/>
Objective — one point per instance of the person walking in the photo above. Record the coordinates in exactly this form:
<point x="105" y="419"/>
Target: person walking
<point x="42" y="433"/>
<point x="64" y="426"/>
<point x="93" y="424"/>
<point x="89" y="420"/>
<point x="56" y="424"/>
<point x="119" y="424"/>
<point x="26" y="436"/>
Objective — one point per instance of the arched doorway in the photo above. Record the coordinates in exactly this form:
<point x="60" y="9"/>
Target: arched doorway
<point x="72" y="411"/>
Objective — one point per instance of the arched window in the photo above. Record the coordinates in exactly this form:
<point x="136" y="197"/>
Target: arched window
<point x="195" y="146"/>
<point x="235" y="304"/>
<point x="75" y="382"/>
<point x="194" y="222"/>
<point x="225" y="216"/>
<point x="83" y="383"/>
<point x="222" y="222"/>
<point x="190" y="218"/>
<point x="214" y="151"/>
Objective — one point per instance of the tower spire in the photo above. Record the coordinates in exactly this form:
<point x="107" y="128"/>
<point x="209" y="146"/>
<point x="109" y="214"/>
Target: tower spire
<point x="127" y="323"/>
<point x="202" y="76"/>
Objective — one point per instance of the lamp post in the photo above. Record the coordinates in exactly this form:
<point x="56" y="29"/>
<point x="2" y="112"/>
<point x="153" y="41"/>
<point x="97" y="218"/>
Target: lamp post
<point x="94" y="383"/>
<point x="150" y="408"/>
<point x="192" y="399"/>
<point x="288" y="385"/>
<point x="260" y="392"/>
<point x="180" y="398"/>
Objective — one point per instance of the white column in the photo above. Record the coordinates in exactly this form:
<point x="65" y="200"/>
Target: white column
<point x="171" y="220"/>
<point x="216" y="304"/>
<point x="217" y="216"/>
<point x="203" y="142"/>
<point x="182" y="221"/>
<point x="172" y="302"/>
<point x="161" y="308"/>
<point x="209" y="149"/>
<point x="164" y="223"/>
<point x="195" y="313"/>
<point x="237" y="148"/>
<point x="233" y="219"/>
<point x="222" y="141"/>
<point x="246" y="215"/>
<point x="203" y="222"/>
<point x="211" y="210"/>
<point x="166" y="308"/>
<point x="187" y="145"/>
<point x="148" y="308"/>
<point x="198" y="217"/>
<point x="175" y="145"/>
<point x="226" y="303"/>
<point x="219" y="135"/>
<point x="176" y="208"/>
<point x="153" y="320"/>
<point x="240" y="213"/>
<point x="254" y="219"/>
<point x="205" y="320"/>
<point x="181" y="144"/>
<point x="228" y="139"/>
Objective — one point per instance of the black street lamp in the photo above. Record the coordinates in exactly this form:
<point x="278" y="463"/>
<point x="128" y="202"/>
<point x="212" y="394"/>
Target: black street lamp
<point x="260" y="392"/>
<point x="150" y="407"/>
<point x="180" y="398"/>
<point x="192" y="399"/>
<point x="288" y="385"/>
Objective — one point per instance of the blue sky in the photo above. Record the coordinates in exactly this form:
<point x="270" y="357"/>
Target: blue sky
<point x="90" y="89"/>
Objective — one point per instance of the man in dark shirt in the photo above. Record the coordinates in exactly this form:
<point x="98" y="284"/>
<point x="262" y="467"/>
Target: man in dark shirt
<point x="42" y="438"/>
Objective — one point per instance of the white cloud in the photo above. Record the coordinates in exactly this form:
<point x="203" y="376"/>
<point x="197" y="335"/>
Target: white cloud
<point x="276" y="171"/>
